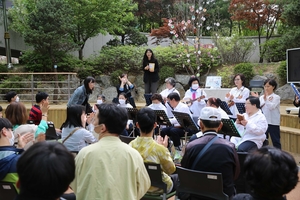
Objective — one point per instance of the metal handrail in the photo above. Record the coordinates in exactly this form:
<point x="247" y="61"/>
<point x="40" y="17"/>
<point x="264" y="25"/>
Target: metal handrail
<point x="32" y="90"/>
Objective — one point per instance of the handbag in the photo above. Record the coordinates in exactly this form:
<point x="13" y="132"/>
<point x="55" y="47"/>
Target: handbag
<point x="72" y="132"/>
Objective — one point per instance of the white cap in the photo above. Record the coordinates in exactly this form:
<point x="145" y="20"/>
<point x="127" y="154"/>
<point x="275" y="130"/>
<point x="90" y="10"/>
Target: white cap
<point x="210" y="113"/>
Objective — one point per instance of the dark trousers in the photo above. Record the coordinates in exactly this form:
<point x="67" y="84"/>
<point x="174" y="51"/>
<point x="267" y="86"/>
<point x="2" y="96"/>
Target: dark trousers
<point x="247" y="146"/>
<point x="274" y="131"/>
<point x="151" y="87"/>
<point x="174" y="133"/>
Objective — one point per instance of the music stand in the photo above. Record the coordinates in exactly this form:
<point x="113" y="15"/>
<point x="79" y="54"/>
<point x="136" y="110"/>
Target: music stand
<point x="132" y="112"/>
<point x="229" y="128"/>
<point x="148" y="99"/>
<point x="185" y="121"/>
<point x="162" y="118"/>
<point x="225" y="107"/>
<point x="241" y="107"/>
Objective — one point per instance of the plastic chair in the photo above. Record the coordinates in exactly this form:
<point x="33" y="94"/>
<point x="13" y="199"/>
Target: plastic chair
<point x="154" y="171"/>
<point x="126" y="139"/>
<point x="7" y="191"/>
<point x="206" y="184"/>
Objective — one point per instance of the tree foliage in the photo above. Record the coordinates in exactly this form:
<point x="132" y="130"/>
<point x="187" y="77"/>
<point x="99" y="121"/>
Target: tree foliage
<point x="259" y="15"/>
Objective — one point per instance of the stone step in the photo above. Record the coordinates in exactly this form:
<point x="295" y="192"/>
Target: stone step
<point x="290" y="139"/>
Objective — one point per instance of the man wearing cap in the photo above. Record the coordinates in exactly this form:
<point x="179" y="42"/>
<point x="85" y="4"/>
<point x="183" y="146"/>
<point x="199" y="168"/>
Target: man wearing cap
<point x="220" y="156"/>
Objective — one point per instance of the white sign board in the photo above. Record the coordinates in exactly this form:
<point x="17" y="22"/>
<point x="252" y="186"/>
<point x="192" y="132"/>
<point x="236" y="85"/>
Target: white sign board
<point x="213" y="82"/>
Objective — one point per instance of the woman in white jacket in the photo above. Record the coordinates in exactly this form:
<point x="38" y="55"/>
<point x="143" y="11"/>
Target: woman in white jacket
<point x="252" y="127"/>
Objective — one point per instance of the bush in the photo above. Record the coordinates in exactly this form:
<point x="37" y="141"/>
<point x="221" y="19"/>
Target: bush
<point x="114" y="77"/>
<point x="281" y="71"/>
<point x="226" y="73"/>
<point x="246" y="69"/>
<point x="273" y="50"/>
<point x="166" y="72"/>
<point x="234" y="49"/>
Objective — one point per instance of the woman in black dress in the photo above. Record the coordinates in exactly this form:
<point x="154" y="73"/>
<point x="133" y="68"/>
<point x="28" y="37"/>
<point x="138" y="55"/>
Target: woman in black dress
<point x="151" y="69"/>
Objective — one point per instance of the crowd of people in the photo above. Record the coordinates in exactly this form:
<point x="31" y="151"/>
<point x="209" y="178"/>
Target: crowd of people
<point x="106" y="168"/>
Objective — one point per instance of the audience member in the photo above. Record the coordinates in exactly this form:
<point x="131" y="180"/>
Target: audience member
<point x="110" y="169"/>
<point x="16" y="113"/>
<point x="195" y="97"/>
<point x="170" y="87"/>
<point x="238" y="94"/>
<point x="35" y="112"/>
<point x="123" y="101"/>
<point x="11" y="97"/>
<point x="151" y="69"/>
<point x="45" y="171"/>
<point x="270" y="173"/>
<point x="157" y="103"/>
<point x="296" y="102"/>
<point x="220" y="157"/>
<point x="9" y="154"/>
<point x="252" y="127"/>
<point x="270" y="106"/>
<point x="176" y="131"/>
<point x="126" y="87"/>
<point x="74" y="135"/>
<point x="100" y="100"/>
<point x="154" y="151"/>
<point x="82" y="93"/>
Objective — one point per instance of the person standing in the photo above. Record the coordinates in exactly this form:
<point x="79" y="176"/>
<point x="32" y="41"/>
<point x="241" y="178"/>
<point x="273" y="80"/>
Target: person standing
<point x="270" y="106"/>
<point x="151" y="69"/>
<point x="82" y="93"/>
<point x="238" y="94"/>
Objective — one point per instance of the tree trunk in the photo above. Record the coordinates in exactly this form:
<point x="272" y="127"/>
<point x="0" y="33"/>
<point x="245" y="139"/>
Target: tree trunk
<point x="261" y="59"/>
<point x="80" y="53"/>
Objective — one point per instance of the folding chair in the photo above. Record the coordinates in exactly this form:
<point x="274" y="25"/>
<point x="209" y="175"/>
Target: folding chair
<point x="241" y="185"/>
<point x="7" y="191"/>
<point x="154" y="172"/>
<point x="126" y="139"/>
<point x="206" y="184"/>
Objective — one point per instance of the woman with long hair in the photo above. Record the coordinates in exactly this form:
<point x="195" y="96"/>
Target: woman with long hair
<point x="151" y="69"/>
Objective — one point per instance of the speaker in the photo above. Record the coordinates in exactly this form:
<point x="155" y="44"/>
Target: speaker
<point x="293" y="65"/>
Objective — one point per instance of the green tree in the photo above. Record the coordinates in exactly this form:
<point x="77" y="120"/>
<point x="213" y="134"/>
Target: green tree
<point x="92" y="17"/>
<point x="45" y="25"/>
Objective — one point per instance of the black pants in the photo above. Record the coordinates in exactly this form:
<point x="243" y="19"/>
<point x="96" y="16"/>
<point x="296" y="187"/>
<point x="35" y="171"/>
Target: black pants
<point x="151" y="87"/>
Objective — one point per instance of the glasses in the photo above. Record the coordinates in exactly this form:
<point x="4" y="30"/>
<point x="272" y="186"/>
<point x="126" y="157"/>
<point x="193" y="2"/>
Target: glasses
<point x="237" y="79"/>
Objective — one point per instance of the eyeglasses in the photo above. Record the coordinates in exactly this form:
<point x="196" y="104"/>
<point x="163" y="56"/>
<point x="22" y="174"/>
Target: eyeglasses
<point x="237" y="79"/>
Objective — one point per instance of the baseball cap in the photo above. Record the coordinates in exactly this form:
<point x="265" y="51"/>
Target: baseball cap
<point x="210" y="113"/>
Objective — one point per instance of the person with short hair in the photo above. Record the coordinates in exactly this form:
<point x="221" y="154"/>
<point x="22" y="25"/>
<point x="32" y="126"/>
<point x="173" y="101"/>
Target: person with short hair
<point x="82" y="93"/>
<point x="220" y="157"/>
<point x="252" y="128"/>
<point x="45" y="171"/>
<point x="195" y="97"/>
<point x="11" y="97"/>
<point x="35" y="113"/>
<point x="154" y="151"/>
<point x="9" y="154"/>
<point x="157" y="103"/>
<point x="110" y="169"/>
<point x="238" y="94"/>
<point x="270" y="173"/>
<point x="170" y="87"/>
<point x="126" y="87"/>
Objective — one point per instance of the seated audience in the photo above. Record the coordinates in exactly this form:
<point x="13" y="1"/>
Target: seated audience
<point x="123" y="101"/>
<point x="74" y="134"/>
<point x="176" y="131"/>
<point x="270" y="173"/>
<point x="110" y="169"/>
<point x="220" y="157"/>
<point x="154" y="151"/>
<point x="170" y="87"/>
<point x="45" y="171"/>
<point x="100" y="100"/>
<point x="125" y="87"/>
<point x="252" y="128"/>
<point x="9" y="154"/>
<point x="157" y="103"/>
<point x="35" y="112"/>
<point x="16" y="113"/>
<point x="11" y="97"/>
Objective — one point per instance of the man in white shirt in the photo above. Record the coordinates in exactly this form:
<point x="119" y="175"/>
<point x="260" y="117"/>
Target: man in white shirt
<point x="170" y="87"/>
<point x="176" y="131"/>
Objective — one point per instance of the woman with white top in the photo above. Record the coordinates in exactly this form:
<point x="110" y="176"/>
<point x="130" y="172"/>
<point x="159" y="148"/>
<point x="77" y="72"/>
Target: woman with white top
<point x="170" y="87"/>
<point x="195" y="97"/>
<point x="270" y="106"/>
<point x="125" y="104"/>
<point x="74" y="135"/>
<point x="252" y="127"/>
<point x="157" y="103"/>
<point x="238" y="94"/>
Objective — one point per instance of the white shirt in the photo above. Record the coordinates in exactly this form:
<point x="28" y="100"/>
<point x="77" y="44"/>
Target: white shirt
<point x="253" y="131"/>
<point x="159" y="106"/>
<point x="167" y="91"/>
<point x="271" y="108"/>
<point x="196" y="106"/>
<point x="243" y="92"/>
<point x="181" y="107"/>
<point x="224" y="115"/>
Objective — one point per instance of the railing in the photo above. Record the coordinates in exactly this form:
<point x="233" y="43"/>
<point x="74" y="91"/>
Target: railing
<point x="59" y="87"/>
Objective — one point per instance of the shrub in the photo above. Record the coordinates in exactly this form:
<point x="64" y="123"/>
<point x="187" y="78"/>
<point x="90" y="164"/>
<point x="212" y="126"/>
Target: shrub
<point x="114" y="76"/>
<point x="166" y="72"/>
<point x="226" y="73"/>
<point x="273" y="50"/>
<point x="282" y="73"/>
<point x="246" y="69"/>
